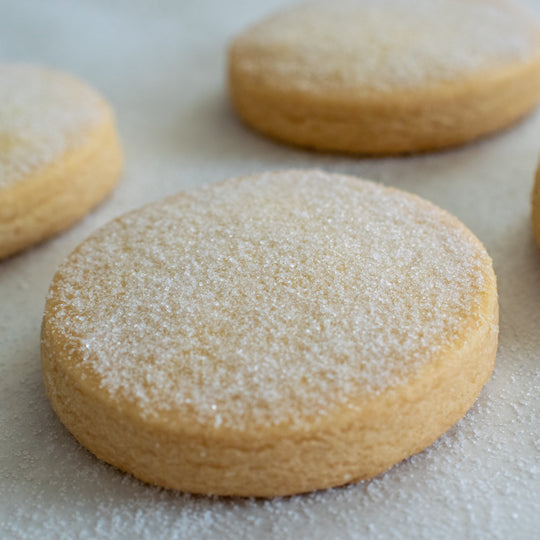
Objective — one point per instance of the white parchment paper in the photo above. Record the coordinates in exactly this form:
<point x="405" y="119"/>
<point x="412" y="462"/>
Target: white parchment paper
<point x="161" y="64"/>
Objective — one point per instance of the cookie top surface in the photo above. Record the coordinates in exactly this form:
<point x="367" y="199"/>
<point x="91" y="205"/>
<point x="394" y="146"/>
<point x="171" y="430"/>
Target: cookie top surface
<point x="266" y="300"/>
<point x="43" y="114"/>
<point x="380" y="45"/>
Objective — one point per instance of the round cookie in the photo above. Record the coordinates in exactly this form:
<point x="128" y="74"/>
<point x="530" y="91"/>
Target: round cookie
<point x="59" y="153"/>
<point x="536" y="207"/>
<point x="386" y="76"/>
<point x="270" y="335"/>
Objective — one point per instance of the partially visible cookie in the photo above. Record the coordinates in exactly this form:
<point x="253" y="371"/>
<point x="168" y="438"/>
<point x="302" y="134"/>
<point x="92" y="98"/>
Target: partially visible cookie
<point x="270" y="335"/>
<point x="536" y="207"/>
<point x="386" y="76"/>
<point x="59" y="153"/>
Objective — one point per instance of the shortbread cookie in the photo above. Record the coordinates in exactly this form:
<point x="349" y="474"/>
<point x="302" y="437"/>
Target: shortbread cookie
<point x="59" y="153"/>
<point x="536" y="207"/>
<point x="270" y="335"/>
<point x="386" y="76"/>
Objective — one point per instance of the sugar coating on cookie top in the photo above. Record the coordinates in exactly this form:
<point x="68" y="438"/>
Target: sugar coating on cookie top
<point x="42" y="115"/>
<point x="267" y="299"/>
<point x="384" y="44"/>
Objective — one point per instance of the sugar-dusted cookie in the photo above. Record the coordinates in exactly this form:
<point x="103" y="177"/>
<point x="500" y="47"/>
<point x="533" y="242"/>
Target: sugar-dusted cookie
<point x="536" y="207"/>
<point x="270" y="335"/>
<point x="386" y="76"/>
<point x="59" y="153"/>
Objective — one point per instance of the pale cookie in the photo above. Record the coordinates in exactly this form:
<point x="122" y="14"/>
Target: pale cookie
<point x="270" y="335"/>
<point x="536" y="207"/>
<point x="59" y="153"/>
<point x="386" y="76"/>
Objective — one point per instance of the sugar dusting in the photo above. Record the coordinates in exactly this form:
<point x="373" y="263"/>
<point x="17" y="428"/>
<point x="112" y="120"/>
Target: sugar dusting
<point x="268" y="299"/>
<point x="42" y="115"/>
<point x="384" y="44"/>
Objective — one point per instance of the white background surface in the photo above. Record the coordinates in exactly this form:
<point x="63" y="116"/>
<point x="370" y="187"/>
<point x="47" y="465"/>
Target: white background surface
<point x="161" y="65"/>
